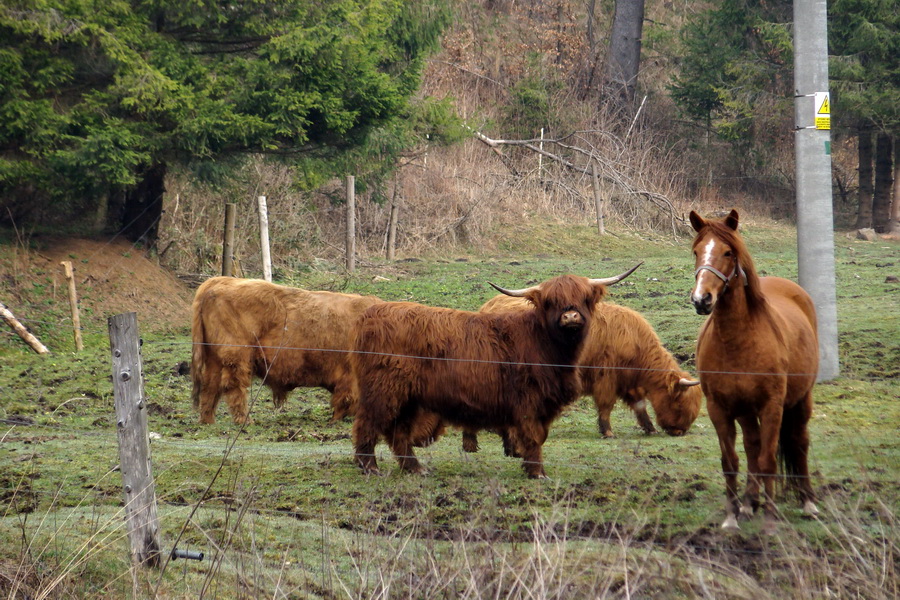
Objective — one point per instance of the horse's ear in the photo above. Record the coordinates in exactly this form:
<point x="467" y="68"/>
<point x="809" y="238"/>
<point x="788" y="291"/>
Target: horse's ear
<point x="732" y="220"/>
<point x="697" y="221"/>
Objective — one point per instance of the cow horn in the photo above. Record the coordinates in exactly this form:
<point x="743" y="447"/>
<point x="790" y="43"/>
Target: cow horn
<point x="515" y="293"/>
<point x="684" y="382"/>
<point x="617" y="278"/>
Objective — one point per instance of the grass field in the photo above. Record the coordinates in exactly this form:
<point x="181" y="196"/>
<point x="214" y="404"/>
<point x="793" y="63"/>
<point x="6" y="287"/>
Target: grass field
<point x="284" y="512"/>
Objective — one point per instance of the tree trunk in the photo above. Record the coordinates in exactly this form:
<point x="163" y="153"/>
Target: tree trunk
<point x="624" y="58"/>
<point x="143" y="207"/>
<point x="881" y="201"/>
<point x="864" y="153"/>
<point x="894" y="225"/>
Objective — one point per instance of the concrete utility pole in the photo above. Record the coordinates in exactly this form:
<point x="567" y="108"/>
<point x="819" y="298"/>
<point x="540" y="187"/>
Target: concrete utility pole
<point x="812" y="144"/>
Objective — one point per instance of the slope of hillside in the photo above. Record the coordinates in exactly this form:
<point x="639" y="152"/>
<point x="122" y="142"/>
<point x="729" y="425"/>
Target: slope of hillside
<point x="111" y="277"/>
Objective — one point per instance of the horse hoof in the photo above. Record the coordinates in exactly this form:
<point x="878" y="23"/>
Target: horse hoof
<point x="730" y="524"/>
<point x="810" y="510"/>
<point x="745" y="512"/>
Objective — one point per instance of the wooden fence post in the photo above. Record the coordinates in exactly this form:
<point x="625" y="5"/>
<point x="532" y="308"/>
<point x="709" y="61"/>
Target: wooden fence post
<point x="73" y="303"/>
<point x="598" y="201"/>
<point x="392" y="230"/>
<point x="23" y="333"/>
<point x="264" y="238"/>
<point x="228" y="241"/>
<point x="134" y="440"/>
<point x="351" y="223"/>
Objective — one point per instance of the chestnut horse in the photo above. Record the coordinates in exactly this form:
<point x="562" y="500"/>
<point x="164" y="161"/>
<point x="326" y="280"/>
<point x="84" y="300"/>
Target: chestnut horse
<point x="757" y="357"/>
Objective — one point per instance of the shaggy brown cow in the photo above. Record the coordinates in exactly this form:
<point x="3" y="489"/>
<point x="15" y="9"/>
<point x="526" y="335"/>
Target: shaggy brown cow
<point x="287" y="336"/>
<point x="637" y="367"/>
<point x="511" y="371"/>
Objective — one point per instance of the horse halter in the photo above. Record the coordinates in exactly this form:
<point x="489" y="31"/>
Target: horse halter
<point x="737" y="271"/>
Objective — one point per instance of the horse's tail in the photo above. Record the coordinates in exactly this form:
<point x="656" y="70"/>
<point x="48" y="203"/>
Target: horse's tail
<point x="793" y="441"/>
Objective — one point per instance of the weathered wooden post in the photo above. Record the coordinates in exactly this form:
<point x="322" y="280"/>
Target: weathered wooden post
<point x="20" y="330"/>
<point x="73" y="303"/>
<point x="264" y="238"/>
<point x="598" y="200"/>
<point x="392" y="229"/>
<point x="134" y="440"/>
<point x="351" y="223"/>
<point x="228" y="241"/>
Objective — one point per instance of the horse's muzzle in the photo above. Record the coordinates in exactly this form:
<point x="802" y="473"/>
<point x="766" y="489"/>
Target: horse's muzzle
<point x="703" y="305"/>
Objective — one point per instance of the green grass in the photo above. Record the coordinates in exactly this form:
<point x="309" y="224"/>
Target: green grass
<point x="290" y="493"/>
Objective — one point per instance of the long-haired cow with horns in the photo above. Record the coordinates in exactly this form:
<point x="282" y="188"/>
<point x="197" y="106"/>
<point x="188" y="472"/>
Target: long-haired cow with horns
<point x="416" y="367"/>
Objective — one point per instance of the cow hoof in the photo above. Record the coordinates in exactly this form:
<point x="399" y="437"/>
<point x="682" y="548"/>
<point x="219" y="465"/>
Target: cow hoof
<point x="810" y="510"/>
<point x="730" y="524"/>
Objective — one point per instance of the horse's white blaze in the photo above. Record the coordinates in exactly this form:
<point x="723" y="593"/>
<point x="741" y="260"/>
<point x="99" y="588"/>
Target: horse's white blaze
<point x="696" y="296"/>
<point x="708" y="251"/>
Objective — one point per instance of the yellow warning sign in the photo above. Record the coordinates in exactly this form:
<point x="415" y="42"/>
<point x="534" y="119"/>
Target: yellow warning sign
<point x="823" y="110"/>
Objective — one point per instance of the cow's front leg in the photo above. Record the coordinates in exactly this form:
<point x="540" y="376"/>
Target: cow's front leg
<point x="470" y="440"/>
<point x="530" y="438"/>
<point x="364" y="440"/>
<point x="401" y="445"/>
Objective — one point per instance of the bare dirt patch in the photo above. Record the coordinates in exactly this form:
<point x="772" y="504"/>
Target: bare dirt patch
<point x="111" y="277"/>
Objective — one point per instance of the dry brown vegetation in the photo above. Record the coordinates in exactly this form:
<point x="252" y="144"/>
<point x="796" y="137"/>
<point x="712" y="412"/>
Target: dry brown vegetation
<point x="652" y="166"/>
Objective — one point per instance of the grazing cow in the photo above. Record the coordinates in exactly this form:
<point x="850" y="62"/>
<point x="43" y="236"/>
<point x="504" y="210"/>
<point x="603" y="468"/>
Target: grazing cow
<point x="623" y="357"/>
<point x="511" y="371"/>
<point x="287" y="336"/>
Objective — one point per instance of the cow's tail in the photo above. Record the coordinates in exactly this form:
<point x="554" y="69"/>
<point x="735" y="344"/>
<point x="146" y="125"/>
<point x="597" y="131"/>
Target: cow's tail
<point x="198" y="352"/>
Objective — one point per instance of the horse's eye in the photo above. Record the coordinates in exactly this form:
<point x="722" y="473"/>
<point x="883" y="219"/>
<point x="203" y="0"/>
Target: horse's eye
<point x="728" y="253"/>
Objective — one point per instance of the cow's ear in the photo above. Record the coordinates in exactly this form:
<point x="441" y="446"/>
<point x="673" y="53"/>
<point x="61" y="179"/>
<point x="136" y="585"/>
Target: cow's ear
<point x="533" y="295"/>
<point x="697" y="221"/>
<point x="599" y="293"/>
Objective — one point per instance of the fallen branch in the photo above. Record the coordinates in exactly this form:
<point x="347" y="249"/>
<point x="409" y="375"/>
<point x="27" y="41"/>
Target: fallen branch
<point x="23" y="333"/>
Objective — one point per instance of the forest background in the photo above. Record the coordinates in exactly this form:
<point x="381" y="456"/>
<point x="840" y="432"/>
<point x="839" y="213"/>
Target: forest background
<point x="145" y="119"/>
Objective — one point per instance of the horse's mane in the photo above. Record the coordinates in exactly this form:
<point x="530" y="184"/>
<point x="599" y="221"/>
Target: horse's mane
<point x="753" y="290"/>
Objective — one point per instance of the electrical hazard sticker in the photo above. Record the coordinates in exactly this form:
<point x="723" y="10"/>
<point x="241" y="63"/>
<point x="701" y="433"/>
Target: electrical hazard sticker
<point x="823" y="110"/>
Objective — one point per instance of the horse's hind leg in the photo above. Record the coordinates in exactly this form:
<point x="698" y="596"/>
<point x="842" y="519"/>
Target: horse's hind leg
<point x="727" y="433"/>
<point x="795" y="451"/>
<point x="770" y="425"/>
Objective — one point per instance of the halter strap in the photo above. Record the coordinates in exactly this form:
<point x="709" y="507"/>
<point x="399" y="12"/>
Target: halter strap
<point x="737" y="271"/>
